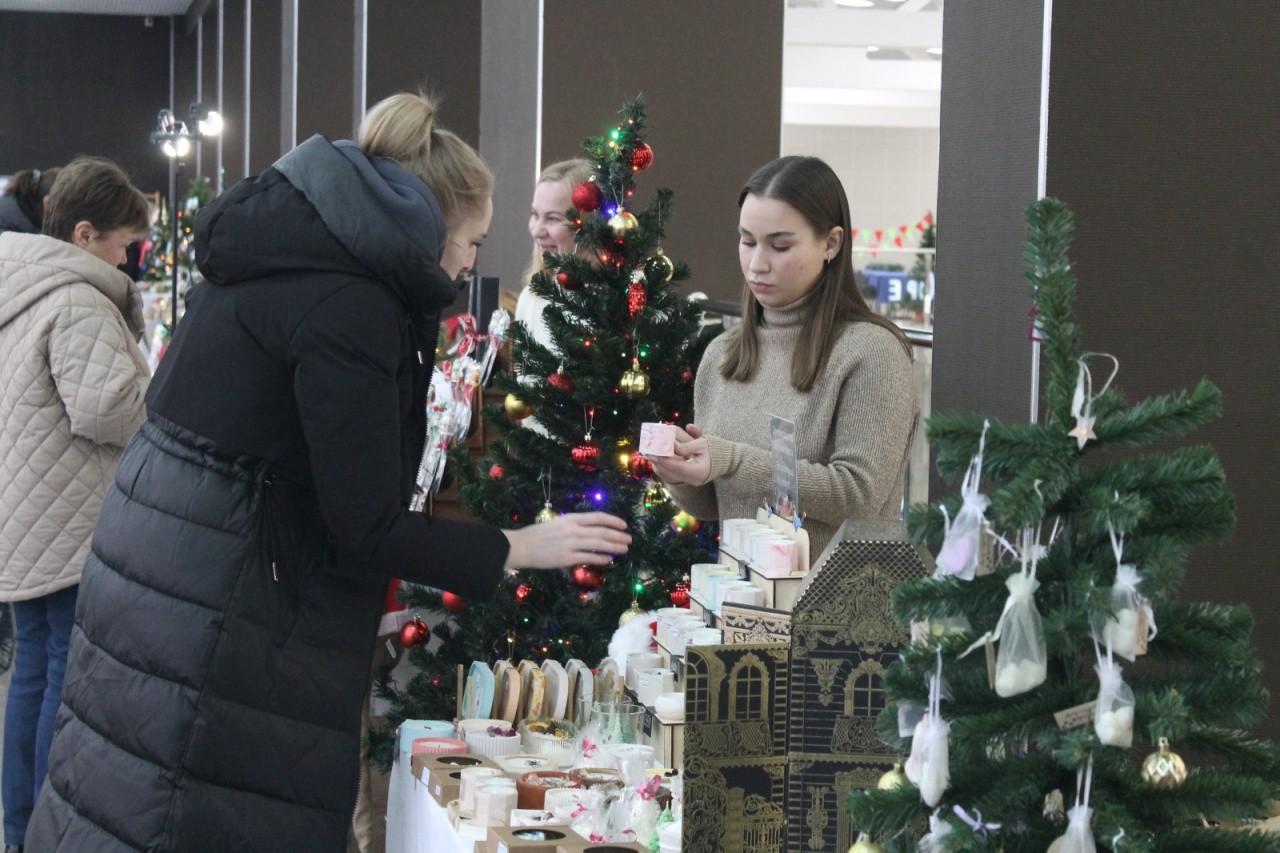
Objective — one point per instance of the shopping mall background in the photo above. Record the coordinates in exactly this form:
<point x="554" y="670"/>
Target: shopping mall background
<point x="1159" y="132"/>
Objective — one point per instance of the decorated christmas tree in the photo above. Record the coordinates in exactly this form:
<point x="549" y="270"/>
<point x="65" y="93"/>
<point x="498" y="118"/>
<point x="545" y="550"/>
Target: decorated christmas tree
<point x="1079" y="614"/>
<point x="626" y="344"/>
<point x="157" y="262"/>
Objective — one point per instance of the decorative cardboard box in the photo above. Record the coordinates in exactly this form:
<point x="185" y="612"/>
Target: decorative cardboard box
<point x="735" y="747"/>
<point x="442" y="773"/>
<point x="843" y="638"/>
<point x="777" y="734"/>
<point x="530" y="839"/>
<point x="746" y="623"/>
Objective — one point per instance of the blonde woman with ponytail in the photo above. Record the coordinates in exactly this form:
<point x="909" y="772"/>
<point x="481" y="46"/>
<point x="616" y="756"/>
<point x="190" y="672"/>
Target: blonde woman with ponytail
<point x="228" y="607"/>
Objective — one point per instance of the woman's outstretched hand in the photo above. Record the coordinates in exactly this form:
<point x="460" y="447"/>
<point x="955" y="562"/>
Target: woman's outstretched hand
<point x="591" y="538"/>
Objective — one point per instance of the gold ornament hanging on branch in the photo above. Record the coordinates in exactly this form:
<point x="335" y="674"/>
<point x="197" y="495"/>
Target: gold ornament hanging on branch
<point x="634" y="384"/>
<point x="516" y="408"/>
<point x="894" y="778"/>
<point x="547" y="513"/>
<point x="1164" y="769"/>
<point x="623" y="223"/>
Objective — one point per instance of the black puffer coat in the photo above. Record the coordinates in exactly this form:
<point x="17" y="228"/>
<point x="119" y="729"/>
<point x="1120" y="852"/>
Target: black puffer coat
<point x="226" y="618"/>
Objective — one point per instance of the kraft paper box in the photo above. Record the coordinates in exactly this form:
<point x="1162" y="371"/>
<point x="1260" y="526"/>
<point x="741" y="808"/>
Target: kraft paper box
<point x="530" y="839"/>
<point x="442" y="773"/>
<point x="657" y="439"/>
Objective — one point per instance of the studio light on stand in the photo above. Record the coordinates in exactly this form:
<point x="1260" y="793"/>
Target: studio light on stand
<point x="175" y="140"/>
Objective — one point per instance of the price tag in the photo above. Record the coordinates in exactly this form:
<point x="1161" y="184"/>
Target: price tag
<point x="991" y="664"/>
<point x="1144" y="629"/>
<point x="1074" y="718"/>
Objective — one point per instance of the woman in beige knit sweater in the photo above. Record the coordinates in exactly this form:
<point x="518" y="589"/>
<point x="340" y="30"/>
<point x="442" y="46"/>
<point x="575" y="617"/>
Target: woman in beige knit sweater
<point x="808" y="350"/>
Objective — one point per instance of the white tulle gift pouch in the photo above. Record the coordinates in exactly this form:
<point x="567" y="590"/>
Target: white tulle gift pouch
<point x="1079" y="837"/>
<point x="929" y="764"/>
<point x="1133" y="624"/>
<point x="959" y="555"/>
<point x="1022" y="659"/>
<point x="1113" y="714"/>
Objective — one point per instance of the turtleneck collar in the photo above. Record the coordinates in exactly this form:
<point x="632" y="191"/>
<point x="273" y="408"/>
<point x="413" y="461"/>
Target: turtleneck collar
<point x="788" y="316"/>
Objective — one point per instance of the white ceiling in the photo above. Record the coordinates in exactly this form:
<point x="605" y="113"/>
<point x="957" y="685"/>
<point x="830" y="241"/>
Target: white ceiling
<point x="830" y="77"/>
<point x="99" y="7"/>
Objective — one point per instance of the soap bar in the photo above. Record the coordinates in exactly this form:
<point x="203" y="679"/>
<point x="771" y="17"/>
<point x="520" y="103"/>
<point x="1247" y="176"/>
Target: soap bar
<point x="657" y="439"/>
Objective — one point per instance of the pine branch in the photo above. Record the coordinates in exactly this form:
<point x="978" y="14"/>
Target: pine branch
<point x="1169" y="416"/>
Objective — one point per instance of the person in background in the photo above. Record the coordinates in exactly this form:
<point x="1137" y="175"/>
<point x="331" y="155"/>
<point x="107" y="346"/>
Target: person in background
<point x="22" y="205"/>
<point x="71" y="397"/>
<point x="809" y="350"/>
<point x="239" y="570"/>
<point x="549" y="227"/>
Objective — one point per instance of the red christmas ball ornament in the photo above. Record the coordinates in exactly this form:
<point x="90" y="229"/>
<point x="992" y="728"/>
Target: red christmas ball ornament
<point x="414" y="633"/>
<point x="588" y="578"/>
<point x="586" y="196"/>
<point x="686" y="377"/>
<point x="640" y="466"/>
<point x="561" y="381"/>
<point x="496" y="472"/>
<point x="642" y="157"/>
<point x="454" y="604"/>
<point x="586" y="455"/>
<point x="636" y="298"/>
<point x="567" y="281"/>
<point x="680" y="595"/>
<point x="522" y="593"/>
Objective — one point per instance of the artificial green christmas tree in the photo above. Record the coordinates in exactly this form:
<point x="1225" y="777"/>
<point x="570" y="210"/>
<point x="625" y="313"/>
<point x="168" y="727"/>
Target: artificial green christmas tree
<point x="1110" y="520"/>
<point x="626" y="346"/>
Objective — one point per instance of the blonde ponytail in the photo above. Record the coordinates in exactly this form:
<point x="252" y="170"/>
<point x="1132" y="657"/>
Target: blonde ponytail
<point x="402" y="128"/>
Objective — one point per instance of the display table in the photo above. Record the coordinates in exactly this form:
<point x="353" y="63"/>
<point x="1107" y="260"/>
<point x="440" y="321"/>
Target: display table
<point x="416" y="823"/>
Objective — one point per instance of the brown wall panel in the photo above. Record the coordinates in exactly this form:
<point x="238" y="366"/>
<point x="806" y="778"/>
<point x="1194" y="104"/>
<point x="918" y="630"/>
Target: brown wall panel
<point x="989" y="137"/>
<point x="711" y="74"/>
<point x="1168" y="169"/>
<point x="412" y="45"/>
<point x="83" y="84"/>
<point x="264" y="85"/>
<point x="232" y="92"/>
<point x="324" y="68"/>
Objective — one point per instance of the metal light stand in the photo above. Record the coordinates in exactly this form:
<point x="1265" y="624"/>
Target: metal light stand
<point x="176" y="140"/>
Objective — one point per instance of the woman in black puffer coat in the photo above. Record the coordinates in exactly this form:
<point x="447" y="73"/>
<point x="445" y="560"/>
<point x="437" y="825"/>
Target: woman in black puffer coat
<point x="228" y="608"/>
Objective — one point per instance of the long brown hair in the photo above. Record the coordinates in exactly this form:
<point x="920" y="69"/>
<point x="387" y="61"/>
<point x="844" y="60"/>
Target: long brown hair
<point x="812" y="188"/>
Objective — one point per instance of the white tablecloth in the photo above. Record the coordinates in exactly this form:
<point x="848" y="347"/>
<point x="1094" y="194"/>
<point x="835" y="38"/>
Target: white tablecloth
<point x="415" y="822"/>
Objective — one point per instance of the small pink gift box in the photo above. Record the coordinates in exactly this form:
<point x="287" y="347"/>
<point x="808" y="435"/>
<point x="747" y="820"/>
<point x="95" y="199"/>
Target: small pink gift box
<point x="657" y="439"/>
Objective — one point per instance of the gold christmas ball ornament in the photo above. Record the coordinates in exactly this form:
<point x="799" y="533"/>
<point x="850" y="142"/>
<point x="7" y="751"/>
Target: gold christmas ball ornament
<point x="894" y="778"/>
<point x="865" y="845"/>
<point x="623" y="223"/>
<point x="655" y="493"/>
<point x="516" y="408"/>
<point x="547" y="513"/>
<point x="634" y="384"/>
<point x="1164" y="769"/>
<point x="659" y="269"/>
<point x="684" y="523"/>
<point x="630" y="613"/>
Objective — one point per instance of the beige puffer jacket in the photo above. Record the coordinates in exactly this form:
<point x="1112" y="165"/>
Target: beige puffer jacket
<point x="72" y="381"/>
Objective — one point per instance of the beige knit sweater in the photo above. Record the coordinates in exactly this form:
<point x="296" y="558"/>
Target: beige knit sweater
<point x="853" y="428"/>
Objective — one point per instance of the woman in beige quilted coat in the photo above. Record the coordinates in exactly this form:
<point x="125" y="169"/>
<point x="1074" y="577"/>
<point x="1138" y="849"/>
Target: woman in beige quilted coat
<point x="72" y="381"/>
